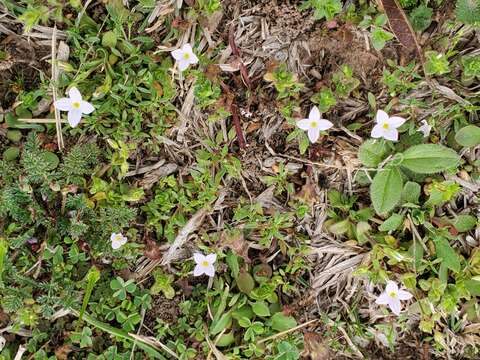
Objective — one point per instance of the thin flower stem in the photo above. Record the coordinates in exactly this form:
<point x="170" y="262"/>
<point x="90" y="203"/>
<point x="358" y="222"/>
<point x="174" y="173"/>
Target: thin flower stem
<point x="41" y="121"/>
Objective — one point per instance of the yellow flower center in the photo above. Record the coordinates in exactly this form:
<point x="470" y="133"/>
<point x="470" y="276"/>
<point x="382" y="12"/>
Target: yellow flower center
<point x="186" y="56"/>
<point x="313" y="124"/>
<point x="118" y="237"/>
<point x="76" y="105"/>
<point x="392" y="294"/>
<point x="385" y="126"/>
<point x="205" y="263"/>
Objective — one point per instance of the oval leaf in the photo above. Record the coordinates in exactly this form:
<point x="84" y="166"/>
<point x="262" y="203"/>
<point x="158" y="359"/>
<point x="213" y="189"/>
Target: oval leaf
<point x="372" y="152"/>
<point x="468" y="136"/>
<point x="260" y="309"/>
<point x="281" y="322"/>
<point x="386" y="190"/>
<point x="429" y="158"/>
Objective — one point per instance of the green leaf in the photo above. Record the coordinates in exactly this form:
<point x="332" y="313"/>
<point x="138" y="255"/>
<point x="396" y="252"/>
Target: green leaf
<point x="232" y="261"/>
<point x="392" y="223"/>
<point x="281" y="322"/>
<point x="447" y="254"/>
<point x="429" y="158"/>
<point x="386" y="190"/>
<point x="260" y="308"/>
<point x="473" y="287"/>
<point x="411" y="192"/>
<point x="380" y="37"/>
<point x="224" y="322"/>
<point x="468" y="136"/>
<point x="465" y="222"/>
<point x="225" y="340"/>
<point x="372" y="152"/>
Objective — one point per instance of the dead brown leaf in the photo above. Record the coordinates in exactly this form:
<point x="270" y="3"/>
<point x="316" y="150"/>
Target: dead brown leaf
<point x="401" y="26"/>
<point x="315" y="348"/>
<point x="62" y="352"/>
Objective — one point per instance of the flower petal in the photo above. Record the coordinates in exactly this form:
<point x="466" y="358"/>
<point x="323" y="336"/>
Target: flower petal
<point x="116" y="244"/>
<point x="63" y="104"/>
<point x="304" y="124"/>
<point x="314" y="114"/>
<point x="183" y="64"/>
<point x="404" y="295"/>
<point x="209" y="270"/>
<point x="425" y="128"/>
<point x="324" y="124"/>
<point x="187" y="48"/>
<point x="86" y="107"/>
<point x="395" y="306"/>
<point x="313" y="134"/>
<point x="381" y="117"/>
<point x="177" y="54"/>
<point x="377" y="131"/>
<point x="113" y="236"/>
<point x="199" y="258"/>
<point x="396" y="121"/>
<point x="390" y="134"/>
<point x="74" y="117"/>
<point x="193" y="58"/>
<point x="391" y="287"/>
<point x="75" y="94"/>
<point x="199" y="270"/>
<point x="382" y="299"/>
<point x="211" y="258"/>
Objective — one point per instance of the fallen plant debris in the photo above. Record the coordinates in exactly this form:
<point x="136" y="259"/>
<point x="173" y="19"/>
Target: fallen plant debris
<point x="189" y="209"/>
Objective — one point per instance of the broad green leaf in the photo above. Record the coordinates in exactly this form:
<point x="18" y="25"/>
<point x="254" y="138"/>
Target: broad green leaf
<point x="386" y="190"/>
<point x="224" y="322"/>
<point x="465" y="222"/>
<point x="260" y="308"/>
<point x="447" y="254"/>
<point x="473" y="287"/>
<point x="392" y="223"/>
<point x="372" y="152"/>
<point x="411" y="192"/>
<point x="429" y="158"/>
<point x="468" y="136"/>
<point x="281" y="322"/>
<point x="225" y="340"/>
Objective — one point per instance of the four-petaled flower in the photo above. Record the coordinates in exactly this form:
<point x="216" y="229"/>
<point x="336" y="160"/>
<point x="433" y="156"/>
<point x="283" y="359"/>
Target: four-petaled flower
<point x="386" y="126"/>
<point x="314" y="124"/>
<point x="75" y="106"/>
<point x="392" y="296"/>
<point x="204" y="264"/>
<point x="118" y="240"/>
<point x="185" y="57"/>
<point x="425" y="128"/>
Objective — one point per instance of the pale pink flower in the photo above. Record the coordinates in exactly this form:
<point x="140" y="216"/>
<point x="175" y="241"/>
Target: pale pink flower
<point x="392" y="297"/>
<point x="314" y="124"/>
<point x="386" y="126"/>
<point x="185" y="57"/>
<point x="75" y="106"/>
<point x="118" y="240"/>
<point x="204" y="264"/>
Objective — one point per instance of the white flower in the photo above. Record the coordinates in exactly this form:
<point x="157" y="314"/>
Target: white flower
<point x="118" y="240"/>
<point x="392" y="296"/>
<point x="185" y="57"/>
<point x="386" y="126"/>
<point x="75" y="106"/>
<point x="3" y="341"/>
<point x="425" y="128"/>
<point x="314" y="124"/>
<point x="204" y="264"/>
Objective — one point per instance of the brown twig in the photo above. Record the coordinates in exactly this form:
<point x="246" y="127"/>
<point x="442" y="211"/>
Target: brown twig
<point x="236" y="54"/>
<point x="238" y="126"/>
